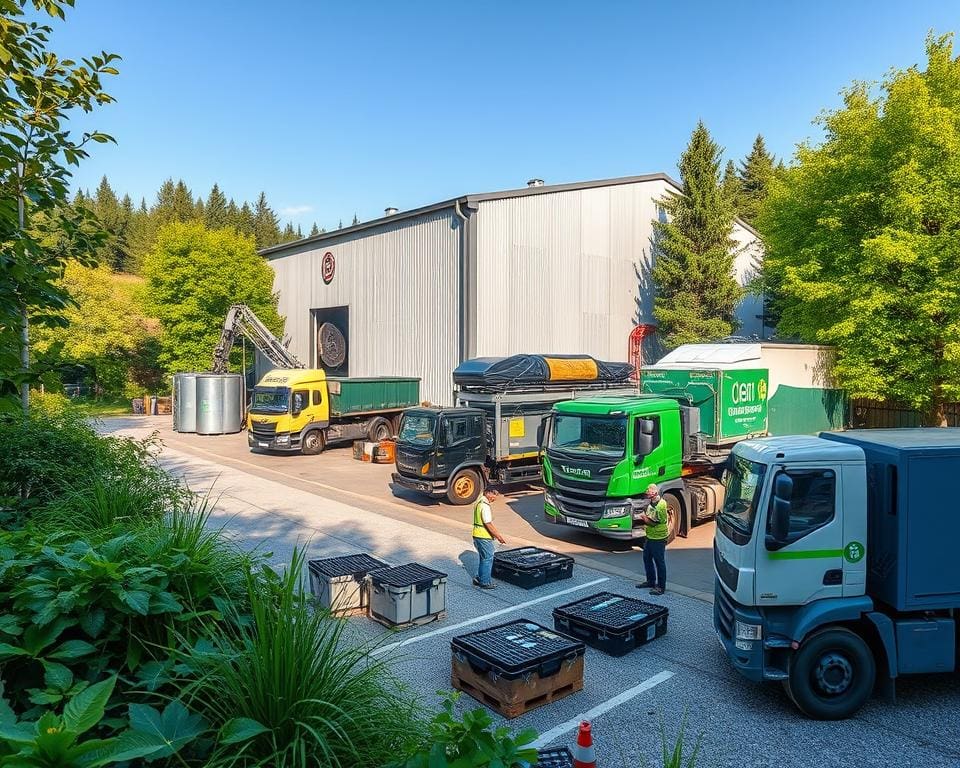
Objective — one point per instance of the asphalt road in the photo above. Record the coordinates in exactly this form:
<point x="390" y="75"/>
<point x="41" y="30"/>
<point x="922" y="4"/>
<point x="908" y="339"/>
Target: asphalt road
<point x="683" y="675"/>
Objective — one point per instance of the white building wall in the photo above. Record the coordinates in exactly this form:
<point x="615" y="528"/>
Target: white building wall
<point x="401" y="283"/>
<point x="746" y="266"/>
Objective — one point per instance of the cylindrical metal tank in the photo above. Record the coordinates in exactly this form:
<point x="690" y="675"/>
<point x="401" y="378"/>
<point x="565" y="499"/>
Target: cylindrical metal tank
<point x="185" y="402"/>
<point x="219" y="403"/>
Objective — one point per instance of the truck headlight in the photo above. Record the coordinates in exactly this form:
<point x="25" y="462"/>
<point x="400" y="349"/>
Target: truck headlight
<point x="283" y="439"/>
<point x="548" y="499"/>
<point x="618" y="511"/>
<point x="749" y="631"/>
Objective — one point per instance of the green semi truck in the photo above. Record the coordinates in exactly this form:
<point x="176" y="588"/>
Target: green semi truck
<point x="699" y="401"/>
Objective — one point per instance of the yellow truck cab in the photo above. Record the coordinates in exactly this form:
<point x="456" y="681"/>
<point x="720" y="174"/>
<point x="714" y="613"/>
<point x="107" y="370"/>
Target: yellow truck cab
<point x="301" y="409"/>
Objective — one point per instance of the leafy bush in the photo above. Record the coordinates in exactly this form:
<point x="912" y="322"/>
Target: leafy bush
<point x="306" y="697"/>
<point x="469" y="742"/>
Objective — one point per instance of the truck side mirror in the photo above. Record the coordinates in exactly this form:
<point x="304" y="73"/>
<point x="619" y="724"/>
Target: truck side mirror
<point x="647" y="427"/>
<point x="297" y="406"/>
<point x="643" y="446"/>
<point x="543" y="431"/>
<point x="779" y="525"/>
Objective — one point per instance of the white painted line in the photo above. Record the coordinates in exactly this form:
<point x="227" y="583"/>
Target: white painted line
<point x="605" y="706"/>
<point x="513" y="608"/>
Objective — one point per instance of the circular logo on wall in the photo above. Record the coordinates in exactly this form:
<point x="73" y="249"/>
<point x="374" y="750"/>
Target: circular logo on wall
<point x="328" y="267"/>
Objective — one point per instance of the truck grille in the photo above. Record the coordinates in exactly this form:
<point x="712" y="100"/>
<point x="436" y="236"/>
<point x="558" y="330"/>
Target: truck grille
<point x="580" y="498"/>
<point x="727" y="573"/>
<point x="723" y="610"/>
<point x="264" y="431"/>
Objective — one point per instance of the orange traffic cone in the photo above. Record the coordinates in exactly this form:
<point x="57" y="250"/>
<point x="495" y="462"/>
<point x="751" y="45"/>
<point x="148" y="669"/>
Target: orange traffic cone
<point x="583" y="755"/>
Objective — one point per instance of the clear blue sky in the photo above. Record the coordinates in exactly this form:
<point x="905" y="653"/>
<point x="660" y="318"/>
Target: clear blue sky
<point x="337" y="108"/>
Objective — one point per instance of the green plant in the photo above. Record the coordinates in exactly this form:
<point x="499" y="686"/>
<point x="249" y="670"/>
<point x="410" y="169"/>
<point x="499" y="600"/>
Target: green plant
<point x="103" y="504"/>
<point x="673" y="754"/>
<point x="470" y="742"/>
<point x="306" y="697"/>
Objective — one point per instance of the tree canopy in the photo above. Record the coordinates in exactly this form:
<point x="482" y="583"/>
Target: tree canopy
<point x="863" y="232"/>
<point x="193" y="276"/>
<point x="696" y="292"/>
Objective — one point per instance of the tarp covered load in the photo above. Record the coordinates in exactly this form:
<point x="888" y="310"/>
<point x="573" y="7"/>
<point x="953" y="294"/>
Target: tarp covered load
<point x="522" y="371"/>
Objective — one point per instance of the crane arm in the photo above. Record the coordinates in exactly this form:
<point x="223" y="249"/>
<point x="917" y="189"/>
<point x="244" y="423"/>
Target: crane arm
<point x="241" y="319"/>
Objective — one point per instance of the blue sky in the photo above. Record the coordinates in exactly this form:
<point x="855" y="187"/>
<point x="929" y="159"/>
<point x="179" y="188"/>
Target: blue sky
<point x="342" y="108"/>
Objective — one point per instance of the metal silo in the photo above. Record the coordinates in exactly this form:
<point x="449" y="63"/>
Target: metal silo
<point x="219" y="403"/>
<point x="233" y="403"/>
<point x="185" y="402"/>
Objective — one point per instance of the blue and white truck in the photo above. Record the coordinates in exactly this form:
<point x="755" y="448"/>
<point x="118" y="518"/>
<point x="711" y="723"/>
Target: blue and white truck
<point x="836" y="562"/>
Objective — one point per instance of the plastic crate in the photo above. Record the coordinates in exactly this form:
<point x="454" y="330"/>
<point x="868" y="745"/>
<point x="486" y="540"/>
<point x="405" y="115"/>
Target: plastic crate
<point x="560" y="757"/>
<point x="337" y="582"/>
<point x="530" y="567"/>
<point x="516" y="649"/>
<point x="612" y="623"/>
<point x="407" y="595"/>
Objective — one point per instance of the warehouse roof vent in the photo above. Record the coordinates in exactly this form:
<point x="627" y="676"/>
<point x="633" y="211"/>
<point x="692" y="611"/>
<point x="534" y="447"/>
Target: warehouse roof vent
<point x="535" y="183"/>
<point x="389" y="211"/>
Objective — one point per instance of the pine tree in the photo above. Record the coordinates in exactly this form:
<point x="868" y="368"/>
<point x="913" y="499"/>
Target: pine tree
<point x="215" y="214"/>
<point x="174" y="203"/>
<point x="696" y="293"/>
<point x="244" y="221"/>
<point x="756" y="173"/>
<point x="116" y="220"/>
<point x="340" y="224"/>
<point x="314" y="230"/>
<point x="299" y="233"/>
<point x="199" y="209"/>
<point x="266" y="226"/>
<point x="731" y="185"/>
<point x="143" y="205"/>
<point x="355" y="221"/>
<point x="289" y="234"/>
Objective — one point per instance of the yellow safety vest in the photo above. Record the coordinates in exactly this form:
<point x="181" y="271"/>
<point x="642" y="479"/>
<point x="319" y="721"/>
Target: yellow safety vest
<point x="479" y="529"/>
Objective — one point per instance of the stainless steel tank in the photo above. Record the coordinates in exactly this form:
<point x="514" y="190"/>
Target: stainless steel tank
<point x="185" y="402"/>
<point x="219" y="403"/>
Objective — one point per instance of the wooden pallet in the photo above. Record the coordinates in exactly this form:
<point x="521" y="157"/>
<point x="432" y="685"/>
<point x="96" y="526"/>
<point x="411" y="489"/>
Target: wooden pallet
<point x="512" y="698"/>
<point x="418" y="622"/>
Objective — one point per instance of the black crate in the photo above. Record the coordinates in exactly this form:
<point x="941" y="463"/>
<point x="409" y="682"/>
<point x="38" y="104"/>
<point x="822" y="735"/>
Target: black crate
<point x="517" y="648"/>
<point x="612" y="623"/>
<point x="530" y="567"/>
<point x="356" y="566"/>
<point x="560" y="757"/>
<point x="409" y="575"/>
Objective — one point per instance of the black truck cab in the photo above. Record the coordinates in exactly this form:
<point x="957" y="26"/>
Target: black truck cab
<point x="442" y="452"/>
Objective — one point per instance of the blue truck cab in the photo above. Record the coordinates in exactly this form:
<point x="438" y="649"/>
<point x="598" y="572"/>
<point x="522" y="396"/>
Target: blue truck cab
<point x="835" y="562"/>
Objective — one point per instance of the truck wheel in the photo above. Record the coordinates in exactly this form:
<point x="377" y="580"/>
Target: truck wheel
<point x="831" y="675"/>
<point x="395" y="424"/>
<point x="464" y="487"/>
<point x="674" y="515"/>
<point x="313" y="443"/>
<point x="379" y="429"/>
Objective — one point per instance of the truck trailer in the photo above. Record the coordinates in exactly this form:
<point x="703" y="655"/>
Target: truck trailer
<point x="491" y="435"/>
<point x="835" y="563"/>
<point x="698" y="401"/>
<point x="302" y="409"/>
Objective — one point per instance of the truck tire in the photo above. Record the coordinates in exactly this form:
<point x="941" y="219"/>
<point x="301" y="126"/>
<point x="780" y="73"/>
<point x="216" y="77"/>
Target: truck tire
<point x="674" y="515"/>
<point x="313" y="443"/>
<point x="831" y="675"/>
<point x="395" y="424"/>
<point x="379" y="429"/>
<point x="464" y="487"/>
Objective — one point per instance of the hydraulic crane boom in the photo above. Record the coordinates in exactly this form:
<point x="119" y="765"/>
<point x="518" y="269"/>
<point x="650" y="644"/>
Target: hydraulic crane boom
<point x="241" y="319"/>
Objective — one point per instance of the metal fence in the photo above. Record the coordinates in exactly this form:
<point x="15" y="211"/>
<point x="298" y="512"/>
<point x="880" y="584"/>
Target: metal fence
<point x="874" y="414"/>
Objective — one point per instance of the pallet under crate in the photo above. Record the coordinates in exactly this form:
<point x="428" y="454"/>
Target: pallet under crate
<point x="512" y="698"/>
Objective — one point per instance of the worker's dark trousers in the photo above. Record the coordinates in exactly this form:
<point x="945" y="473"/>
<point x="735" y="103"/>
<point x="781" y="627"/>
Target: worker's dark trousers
<point x="655" y="562"/>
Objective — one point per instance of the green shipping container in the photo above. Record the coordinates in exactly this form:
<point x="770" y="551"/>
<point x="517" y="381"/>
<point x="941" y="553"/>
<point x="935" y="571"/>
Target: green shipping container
<point x="732" y="403"/>
<point x="351" y="397"/>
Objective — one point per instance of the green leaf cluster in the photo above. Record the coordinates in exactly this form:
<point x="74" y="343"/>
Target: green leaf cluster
<point x="862" y="236"/>
<point x="696" y="291"/>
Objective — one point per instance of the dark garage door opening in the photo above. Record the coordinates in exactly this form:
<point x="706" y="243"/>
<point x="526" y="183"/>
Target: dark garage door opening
<point x="331" y="333"/>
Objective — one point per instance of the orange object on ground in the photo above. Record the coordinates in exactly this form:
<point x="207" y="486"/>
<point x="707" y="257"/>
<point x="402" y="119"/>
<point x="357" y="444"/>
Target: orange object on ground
<point x="583" y="754"/>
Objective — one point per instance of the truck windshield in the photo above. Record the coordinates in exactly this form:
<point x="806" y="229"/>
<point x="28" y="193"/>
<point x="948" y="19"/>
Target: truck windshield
<point x="270" y="400"/>
<point x="417" y="429"/>
<point x="743" y="480"/>
<point x="604" y="435"/>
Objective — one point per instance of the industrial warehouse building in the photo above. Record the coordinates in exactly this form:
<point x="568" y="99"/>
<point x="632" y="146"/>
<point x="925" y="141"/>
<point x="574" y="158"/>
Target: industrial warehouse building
<point x="542" y="269"/>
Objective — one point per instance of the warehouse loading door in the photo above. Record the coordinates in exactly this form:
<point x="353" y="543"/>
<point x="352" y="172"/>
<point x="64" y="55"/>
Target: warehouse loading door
<point x="331" y="332"/>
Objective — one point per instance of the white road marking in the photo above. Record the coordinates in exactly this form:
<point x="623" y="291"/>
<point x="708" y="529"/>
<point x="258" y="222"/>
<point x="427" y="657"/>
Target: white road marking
<point x="512" y="609"/>
<point x="605" y="706"/>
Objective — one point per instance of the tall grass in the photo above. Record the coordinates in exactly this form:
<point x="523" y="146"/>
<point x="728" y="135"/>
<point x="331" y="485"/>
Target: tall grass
<point x="320" y="700"/>
<point x="107" y="502"/>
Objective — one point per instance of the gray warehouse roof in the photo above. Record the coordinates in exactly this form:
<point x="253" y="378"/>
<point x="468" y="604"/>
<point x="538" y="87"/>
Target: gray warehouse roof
<point x="471" y="200"/>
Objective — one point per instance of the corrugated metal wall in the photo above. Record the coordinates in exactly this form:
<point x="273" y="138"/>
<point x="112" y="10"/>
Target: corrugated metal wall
<point x="569" y="272"/>
<point x="401" y="282"/>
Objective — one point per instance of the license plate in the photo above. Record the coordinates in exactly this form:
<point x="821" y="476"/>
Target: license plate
<point x="576" y="522"/>
<point x="263" y="445"/>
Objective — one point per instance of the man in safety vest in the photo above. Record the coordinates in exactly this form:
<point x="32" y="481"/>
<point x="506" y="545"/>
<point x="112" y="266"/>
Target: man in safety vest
<point x="484" y="532"/>
<point x="655" y="547"/>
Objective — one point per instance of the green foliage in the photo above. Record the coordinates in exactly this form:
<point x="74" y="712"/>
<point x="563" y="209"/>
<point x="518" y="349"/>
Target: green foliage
<point x="266" y="226"/>
<point x="215" y="214"/>
<point x="193" y="276"/>
<point x="305" y="697"/>
<point x="41" y="91"/>
<point x="696" y="293"/>
<point x="757" y="172"/>
<point x="862" y="236"/>
<point x="673" y="754"/>
<point x="471" y="742"/>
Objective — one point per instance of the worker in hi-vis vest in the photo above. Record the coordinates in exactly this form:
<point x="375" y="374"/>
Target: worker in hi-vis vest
<point x="484" y="532"/>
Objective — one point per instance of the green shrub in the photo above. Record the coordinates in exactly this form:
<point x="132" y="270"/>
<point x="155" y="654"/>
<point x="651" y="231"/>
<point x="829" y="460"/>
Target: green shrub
<point x="311" y="698"/>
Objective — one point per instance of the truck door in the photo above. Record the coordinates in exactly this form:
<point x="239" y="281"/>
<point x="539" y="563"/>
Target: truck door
<point x="461" y="436"/>
<point x="800" y="556"/>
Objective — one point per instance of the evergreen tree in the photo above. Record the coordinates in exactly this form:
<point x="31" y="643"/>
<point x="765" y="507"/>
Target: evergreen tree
<point x="215" y="214"/>
<point x="289" y="234"/>
<point x="143" y="206"/>
<point x="115" y="219"/>
<point x="355" y="221"/>
<point x="314" y="230"/>
<point x="756" y="173"/>
<point x="174" y="203"/>
<point x="245" y="223"/>
<point x="696" y="293"/>
<point x="731" y="185"/>
<point x="299" y="233"/>
<point x="198" y="209"/>
<point x="266" y="226"/>
<point x="340" y="224"/>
